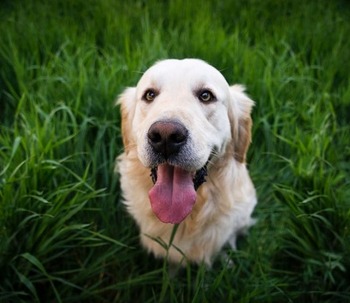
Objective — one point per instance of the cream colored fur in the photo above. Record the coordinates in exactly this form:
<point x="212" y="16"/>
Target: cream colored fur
<point x="226" y="200"/>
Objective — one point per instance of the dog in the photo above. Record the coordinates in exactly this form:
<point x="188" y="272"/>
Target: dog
<point x="183" y="171"/>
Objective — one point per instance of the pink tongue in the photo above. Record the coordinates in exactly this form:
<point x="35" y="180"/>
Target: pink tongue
<point x="173" y="195"/>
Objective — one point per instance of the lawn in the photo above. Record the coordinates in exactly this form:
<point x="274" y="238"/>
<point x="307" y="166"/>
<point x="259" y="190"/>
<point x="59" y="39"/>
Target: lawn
<point x="64" y="234"/>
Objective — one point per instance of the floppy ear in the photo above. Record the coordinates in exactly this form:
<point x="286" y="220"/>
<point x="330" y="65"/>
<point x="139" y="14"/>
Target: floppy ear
<point x="241" y="123"/>
<point x="127" y="102"/>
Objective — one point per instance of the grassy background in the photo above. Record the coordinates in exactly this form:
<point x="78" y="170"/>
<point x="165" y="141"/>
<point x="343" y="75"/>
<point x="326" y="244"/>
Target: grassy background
<point x="65" y="237"/>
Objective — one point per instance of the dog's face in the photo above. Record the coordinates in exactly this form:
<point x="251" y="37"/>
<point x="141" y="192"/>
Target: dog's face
<point x="182" y="115"/>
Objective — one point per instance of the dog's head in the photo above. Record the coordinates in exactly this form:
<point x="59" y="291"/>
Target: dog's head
<point x="181" y="116"/>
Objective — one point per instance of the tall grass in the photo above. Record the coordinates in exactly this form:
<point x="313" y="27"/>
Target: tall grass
<point x="64" y="235"/>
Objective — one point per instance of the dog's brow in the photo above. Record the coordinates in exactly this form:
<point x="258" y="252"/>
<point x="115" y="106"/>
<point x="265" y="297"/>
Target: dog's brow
<point x="202" y="87"/>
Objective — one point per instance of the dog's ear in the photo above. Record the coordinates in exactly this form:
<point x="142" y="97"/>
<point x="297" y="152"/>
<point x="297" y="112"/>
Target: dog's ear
<point x="127" y="101"/>
<point x="241" y="123"/>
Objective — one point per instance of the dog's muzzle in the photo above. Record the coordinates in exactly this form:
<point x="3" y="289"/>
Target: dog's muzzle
<point x="167" y="137"/>
<point x="174" y="192"/>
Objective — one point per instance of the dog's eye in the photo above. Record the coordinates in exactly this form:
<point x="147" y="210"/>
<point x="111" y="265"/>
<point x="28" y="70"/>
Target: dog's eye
<point x="206" y="96"/>
<point x="149" y="95"/>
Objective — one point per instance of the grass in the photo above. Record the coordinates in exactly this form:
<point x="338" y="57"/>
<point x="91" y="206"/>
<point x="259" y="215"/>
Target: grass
<point x="64" y="235"/>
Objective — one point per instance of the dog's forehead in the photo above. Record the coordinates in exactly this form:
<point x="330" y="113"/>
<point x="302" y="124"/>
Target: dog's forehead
<point x="190" y="72"/>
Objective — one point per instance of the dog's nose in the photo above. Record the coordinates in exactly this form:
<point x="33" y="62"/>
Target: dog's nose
<point x="167" y="137"/>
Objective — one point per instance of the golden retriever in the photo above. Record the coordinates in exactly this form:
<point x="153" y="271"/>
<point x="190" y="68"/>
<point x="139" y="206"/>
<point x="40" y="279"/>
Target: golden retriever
<point x="185" y="134"/>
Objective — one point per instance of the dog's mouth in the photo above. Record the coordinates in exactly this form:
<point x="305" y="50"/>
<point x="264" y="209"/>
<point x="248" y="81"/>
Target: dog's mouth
<point x="174" y="192"/>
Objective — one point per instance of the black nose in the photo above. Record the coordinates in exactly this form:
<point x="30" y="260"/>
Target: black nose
<point x="167" y="137"/>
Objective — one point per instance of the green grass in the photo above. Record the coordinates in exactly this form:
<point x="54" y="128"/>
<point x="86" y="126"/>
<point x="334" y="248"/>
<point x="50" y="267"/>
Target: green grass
<point x="64" y="235"/>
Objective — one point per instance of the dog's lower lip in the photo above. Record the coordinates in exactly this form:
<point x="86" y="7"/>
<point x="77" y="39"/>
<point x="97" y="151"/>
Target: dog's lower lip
<point x="154" y="174"/>
<point x="199" y="177"/>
